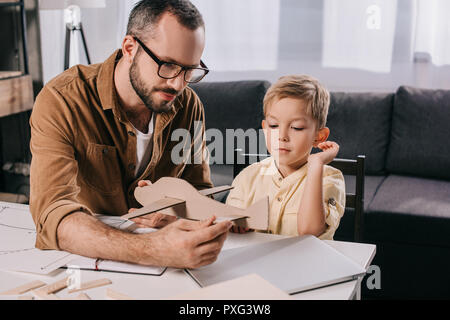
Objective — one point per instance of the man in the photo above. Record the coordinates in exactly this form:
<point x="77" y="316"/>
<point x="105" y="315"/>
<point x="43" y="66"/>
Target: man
<point x="98" y="131"/>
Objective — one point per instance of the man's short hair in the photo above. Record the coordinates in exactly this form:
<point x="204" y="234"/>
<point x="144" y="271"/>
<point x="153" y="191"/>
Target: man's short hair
<point x="147" y="13"/>
<point x="305" y="88"/>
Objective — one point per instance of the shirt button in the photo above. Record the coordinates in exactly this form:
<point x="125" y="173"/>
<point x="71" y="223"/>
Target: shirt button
<point x="280" y="179"/>
<point x="105" y="151"/>
<point x="279" y="199"/>
<point x="132" y="167"/>
<point x="132" y="134"/>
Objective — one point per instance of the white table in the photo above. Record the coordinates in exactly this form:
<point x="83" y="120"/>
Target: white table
<point x="174" y="282"/>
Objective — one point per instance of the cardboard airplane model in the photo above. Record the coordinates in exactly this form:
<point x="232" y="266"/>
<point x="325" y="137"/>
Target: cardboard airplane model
<point x="179" y="198"/>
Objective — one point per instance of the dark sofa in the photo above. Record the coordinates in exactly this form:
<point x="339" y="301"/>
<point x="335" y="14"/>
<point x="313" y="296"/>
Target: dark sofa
<point x="405" y="138"/>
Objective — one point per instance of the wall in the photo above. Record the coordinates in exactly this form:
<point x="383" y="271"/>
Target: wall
<point x="300" y="48"/>
<point x="14" y="129"/>
<point x="103" y="30"/>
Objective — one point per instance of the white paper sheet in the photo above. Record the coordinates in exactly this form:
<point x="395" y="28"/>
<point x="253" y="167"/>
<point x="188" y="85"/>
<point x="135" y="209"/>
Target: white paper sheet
<point x="17" y="243"/>
<point x="18" y="252"/>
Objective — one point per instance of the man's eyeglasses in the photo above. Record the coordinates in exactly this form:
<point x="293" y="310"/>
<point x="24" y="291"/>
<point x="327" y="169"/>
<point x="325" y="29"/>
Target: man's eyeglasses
<point x="170" y="70"/>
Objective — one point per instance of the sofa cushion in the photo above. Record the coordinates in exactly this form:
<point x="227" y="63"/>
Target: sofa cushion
<point x="221" y="175"/>
<point x="410" y="210"/>
<point x="361" y="123"/>
<point x="345" y="232"/>
<point x="232" y="105"/>
<point x="371" y="186"/>
<point x="420" y="133"/>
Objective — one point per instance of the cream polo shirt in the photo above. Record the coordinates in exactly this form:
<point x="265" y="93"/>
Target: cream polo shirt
<point x="263" y="179"/>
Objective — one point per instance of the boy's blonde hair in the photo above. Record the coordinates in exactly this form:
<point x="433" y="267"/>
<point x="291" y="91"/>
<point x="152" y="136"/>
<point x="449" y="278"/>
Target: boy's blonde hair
<point x="302" y="87"/>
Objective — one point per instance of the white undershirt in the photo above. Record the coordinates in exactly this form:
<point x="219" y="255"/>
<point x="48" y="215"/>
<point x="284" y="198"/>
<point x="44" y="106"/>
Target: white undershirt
<point x="144" y="148"/>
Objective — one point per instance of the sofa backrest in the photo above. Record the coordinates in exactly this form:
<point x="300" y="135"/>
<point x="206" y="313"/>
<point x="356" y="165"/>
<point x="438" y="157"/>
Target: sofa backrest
<point x="420" y="133"/>
<point x="360" y="123"/>
<point x="232" y="105"/>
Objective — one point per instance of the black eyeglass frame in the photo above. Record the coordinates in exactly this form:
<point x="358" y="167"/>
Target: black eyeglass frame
<point x="160" y="63"/>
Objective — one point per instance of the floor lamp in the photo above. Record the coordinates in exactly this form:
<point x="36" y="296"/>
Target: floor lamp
<point x="72" y="20"/>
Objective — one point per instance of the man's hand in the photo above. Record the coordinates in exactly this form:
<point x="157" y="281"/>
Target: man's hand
<point x="186" y="244"/>
<point x="329" y="152"/>
<point x="154" y="220"/>
<point x="182" y="244"/>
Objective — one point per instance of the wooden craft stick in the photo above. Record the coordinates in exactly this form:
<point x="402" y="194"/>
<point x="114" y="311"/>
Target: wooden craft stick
<point x="216" y="190"/>
<point x="92" y="284"/>
<point x="41" y="295"/>
<point x="159" y="205"/>
<point x="54" y="287"/>
<point x="25" y="298"/>
<point x="114" y="295"/>
<point x="81" y="296"/>
<point x="24" y="288"/>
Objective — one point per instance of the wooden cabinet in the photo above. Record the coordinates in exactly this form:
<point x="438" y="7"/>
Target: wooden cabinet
<point x="16" y="87"/>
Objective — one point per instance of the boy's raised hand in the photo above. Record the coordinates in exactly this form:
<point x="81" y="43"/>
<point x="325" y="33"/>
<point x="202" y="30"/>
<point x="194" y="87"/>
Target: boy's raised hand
<point x="329" y="152"/>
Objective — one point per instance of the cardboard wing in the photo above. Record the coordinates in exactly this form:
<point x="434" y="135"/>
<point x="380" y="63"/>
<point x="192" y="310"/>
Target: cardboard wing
<point x="177" y="197"/>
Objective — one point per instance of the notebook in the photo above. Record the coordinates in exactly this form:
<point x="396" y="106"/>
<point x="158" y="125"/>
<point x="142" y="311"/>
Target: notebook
<point x="293" y="265"/>
<point x="84" y="263"/>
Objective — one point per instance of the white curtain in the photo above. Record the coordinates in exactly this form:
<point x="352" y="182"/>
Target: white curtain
<point x="433" y="31"/>
<point x="52" y="43"/>
<point x="359" y="34"/>
<point x="104" y="29"/>
<point x="241" y="35"/>
<point x="123" y="13"/>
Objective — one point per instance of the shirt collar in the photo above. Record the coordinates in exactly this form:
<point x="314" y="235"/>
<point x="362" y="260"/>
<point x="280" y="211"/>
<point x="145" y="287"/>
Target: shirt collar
<point x="105" y="82"/>
<point x="277" y="178"/>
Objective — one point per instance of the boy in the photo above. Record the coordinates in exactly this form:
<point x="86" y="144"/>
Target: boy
<point x="305" y="195"/>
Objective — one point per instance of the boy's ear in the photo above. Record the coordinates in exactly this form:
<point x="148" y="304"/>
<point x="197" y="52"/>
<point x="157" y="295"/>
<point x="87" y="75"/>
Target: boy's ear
<point x="321" y="136"/>
<point x="264" y="124"/>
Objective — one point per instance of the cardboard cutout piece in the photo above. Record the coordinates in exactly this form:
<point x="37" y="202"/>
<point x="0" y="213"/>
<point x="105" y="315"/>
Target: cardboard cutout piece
<point x="177" y="197"/>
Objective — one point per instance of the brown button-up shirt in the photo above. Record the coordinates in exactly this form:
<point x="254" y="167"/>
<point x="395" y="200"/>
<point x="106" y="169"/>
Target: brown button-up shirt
<point x="84" y="149"/>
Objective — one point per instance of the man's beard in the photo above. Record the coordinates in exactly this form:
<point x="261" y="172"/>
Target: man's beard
<point x="145" y="94"/>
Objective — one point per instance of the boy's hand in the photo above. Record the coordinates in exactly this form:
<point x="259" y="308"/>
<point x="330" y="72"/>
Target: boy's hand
<point x="329" y="152"/>
<point x="144" y="183"/>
